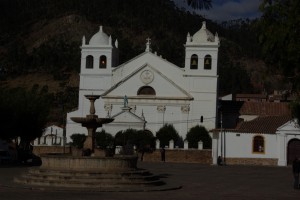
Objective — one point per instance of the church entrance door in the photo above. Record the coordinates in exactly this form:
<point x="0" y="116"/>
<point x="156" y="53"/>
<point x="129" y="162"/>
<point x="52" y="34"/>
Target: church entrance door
<point x="293" y="150"/>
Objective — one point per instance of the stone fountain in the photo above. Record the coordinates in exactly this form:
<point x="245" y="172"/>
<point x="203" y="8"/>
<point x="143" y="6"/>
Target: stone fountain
<point x="91" y="173"/>
<point x="91" y="122"/>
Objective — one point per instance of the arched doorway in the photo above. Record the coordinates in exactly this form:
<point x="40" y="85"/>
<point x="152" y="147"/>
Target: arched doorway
<point x="293" y="150"/>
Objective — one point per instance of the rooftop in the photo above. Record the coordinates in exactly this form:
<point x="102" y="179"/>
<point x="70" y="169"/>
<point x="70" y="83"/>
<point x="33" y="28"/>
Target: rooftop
<point x="262" y="124"/>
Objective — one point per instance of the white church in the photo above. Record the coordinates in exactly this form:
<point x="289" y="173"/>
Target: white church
<point x="157" y="92"/>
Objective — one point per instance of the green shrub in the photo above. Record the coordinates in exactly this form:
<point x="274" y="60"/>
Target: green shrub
<point x="78" y="140"/>
<point x="145" y="140"/>
<point x="196" y="134"/>
<point x="139" y="138"/>
<point x="128" y="136"/>
<point x="167" y="133"/>
<point x="104" y="140"/>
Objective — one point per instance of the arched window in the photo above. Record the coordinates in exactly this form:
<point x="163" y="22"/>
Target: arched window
<point x="207" y="62"/>
<point x="194" y="62"/>
<point x="146" y="90"/>
<point x="89" y="62"/>
<point x="102" y="64"/>
<point x="258" y="144"/>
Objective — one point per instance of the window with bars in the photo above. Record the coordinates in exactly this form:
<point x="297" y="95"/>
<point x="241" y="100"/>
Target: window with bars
<point x="89" y="62"/>
<point x="102" y="64"/>
<point x="258" y="144"/>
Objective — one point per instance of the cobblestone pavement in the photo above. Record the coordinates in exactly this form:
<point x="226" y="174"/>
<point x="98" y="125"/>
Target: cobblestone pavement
<point x="197" y="181"/>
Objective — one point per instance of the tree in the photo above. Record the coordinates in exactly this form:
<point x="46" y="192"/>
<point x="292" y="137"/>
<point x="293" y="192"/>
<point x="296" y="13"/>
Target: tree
<point x="139" y="138"/>
<point x="104" y="139"/>
<point x="127" y="139"/>
<point x="128" y="136"/>
<point x="24" y="113"/>
<point x="237" y="81"/>
<point x="196" y="134"/>
<point x="145" y="140"/>
<point x="78" y="140"/>
<point x="200" y="4"/>
<point x="279" y="35"/>
<point x="167" y="133"/>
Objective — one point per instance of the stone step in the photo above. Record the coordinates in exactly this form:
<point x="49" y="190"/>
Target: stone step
<point x="87" y="183"/>
<point x="89" y="173"/>
<point x="54" y="174"/>
<point x="98" y="177"/>
<point x="89" y="179"/>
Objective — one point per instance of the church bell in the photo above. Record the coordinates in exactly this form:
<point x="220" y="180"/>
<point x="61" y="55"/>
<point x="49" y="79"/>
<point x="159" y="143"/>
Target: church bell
<point x="206" y="62"/>
<point x="194" y="62"/>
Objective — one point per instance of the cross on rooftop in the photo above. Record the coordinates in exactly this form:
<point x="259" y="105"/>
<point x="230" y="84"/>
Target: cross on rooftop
<point x="148" y="45"/>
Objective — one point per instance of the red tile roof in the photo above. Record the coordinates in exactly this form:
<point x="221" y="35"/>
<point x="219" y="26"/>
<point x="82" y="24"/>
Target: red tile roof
<point x="270" y="116"/>
<point x="262" y="124"/>
<point x="257" y="96"/>
<point x="265" y="109"/>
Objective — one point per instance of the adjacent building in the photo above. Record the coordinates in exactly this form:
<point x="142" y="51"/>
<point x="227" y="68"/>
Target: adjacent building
<point x="52" y="136"/>
<point x="256" y="133"/>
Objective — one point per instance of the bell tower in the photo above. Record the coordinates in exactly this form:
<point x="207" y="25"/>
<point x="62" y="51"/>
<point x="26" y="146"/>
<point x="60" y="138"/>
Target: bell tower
<point x="201" y="52"/>
<point x="200" y="73"/>
<point x="99" y="55"/>
<point x="98" y="58"/>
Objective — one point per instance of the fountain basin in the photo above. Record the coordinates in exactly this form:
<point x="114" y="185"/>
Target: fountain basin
<point x="92" y="119"/>
<point x="91" y="174"/>
<point x="97" y="164"/>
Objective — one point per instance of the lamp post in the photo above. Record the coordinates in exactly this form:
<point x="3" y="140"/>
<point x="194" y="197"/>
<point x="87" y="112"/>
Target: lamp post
<point x="221" y="135"/>
<point x="224" y="148"/>
<point x="223" y="141"/>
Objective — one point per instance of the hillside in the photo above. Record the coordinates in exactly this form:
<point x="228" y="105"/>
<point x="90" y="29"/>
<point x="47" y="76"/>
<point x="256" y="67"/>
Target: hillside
<point x="40" y="40"/>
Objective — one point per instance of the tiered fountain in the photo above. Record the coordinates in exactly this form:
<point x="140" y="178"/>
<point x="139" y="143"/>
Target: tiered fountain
<point x="118" y="173"/>
<point x="91" y="122"/>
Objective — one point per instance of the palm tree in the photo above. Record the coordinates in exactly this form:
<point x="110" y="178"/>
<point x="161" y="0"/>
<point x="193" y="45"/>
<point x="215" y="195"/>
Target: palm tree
<point x="200" y="4"/>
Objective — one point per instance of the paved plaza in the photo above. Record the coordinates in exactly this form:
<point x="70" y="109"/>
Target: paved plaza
<point x="197" y="181"/>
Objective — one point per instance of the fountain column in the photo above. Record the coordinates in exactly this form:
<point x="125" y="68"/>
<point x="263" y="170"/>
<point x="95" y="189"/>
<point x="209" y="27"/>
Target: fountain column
<point x="92" y="99"/>
<point x="89" y="143"/>
<point x="91" y="122"/>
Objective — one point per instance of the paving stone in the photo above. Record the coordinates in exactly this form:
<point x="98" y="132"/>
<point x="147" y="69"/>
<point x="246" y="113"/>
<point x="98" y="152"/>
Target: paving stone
<point x="197" y="181"/>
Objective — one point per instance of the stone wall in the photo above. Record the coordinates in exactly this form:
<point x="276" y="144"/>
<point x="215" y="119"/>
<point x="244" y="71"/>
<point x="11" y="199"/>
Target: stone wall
<point x="176" y="155"/>
<point x="172" y="155"/>
<point x="38" y="150"/>
<point x="252" y="161"/>
<point x="179" y="155"/>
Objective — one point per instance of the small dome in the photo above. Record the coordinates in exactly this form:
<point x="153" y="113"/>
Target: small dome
<point x="100" y="38"/>
<point x="203" y="35"/>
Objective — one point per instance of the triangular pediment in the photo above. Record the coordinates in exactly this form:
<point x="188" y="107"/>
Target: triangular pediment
<point x="143" y="58"/>
<point x="147" y="75"/>
<point x="126" y="119"/>
<point x="126" y="116"/>
<point x="291" y="127"/>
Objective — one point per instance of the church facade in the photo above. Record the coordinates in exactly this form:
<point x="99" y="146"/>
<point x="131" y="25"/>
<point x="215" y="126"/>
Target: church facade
<point x="148" y="91"/>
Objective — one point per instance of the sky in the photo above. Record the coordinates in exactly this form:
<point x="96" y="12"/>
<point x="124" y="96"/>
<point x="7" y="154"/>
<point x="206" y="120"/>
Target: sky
<point x="223" y="10"/>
